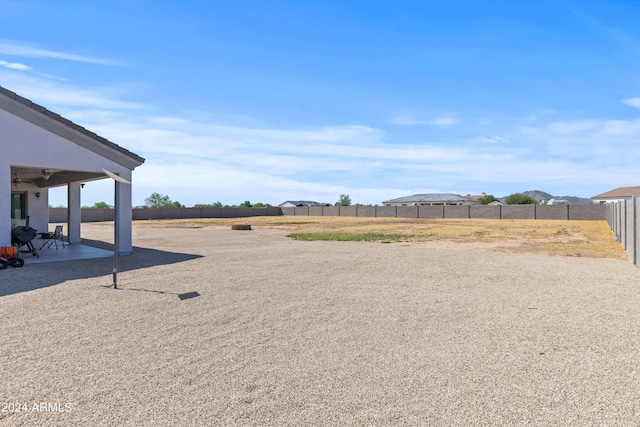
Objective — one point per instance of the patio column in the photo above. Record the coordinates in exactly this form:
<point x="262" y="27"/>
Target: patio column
<point x="5" y="204"/>
<point x="74" y="212"/>
<point x="124" y="215"/>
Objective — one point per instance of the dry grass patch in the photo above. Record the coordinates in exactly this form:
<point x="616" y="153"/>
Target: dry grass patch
<point x="563" y="238"/>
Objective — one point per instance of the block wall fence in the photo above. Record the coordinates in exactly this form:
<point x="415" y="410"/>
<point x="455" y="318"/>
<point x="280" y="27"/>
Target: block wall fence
<point x="624" y="220"/>
<point x="566" y="212"/>
<point x="58" y="215"/>
<point x="560" y="212"/>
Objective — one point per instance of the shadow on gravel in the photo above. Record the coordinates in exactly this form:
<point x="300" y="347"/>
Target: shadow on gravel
<point x="183" y="296"/>
<point x="37" y="276"/>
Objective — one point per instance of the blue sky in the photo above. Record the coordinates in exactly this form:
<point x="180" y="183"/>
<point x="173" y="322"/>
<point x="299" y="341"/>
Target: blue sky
<point x="270" y="101"/>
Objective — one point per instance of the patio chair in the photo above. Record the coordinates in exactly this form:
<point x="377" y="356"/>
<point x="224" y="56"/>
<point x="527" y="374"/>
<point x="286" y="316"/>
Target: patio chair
<point x="52" y="238"/>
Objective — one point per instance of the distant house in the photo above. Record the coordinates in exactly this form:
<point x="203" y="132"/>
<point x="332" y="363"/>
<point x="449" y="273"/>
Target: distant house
<point x="557" y="202"/>
<point x="436" y="199"/>
<point x="301" y="203"/>
<point x="477" y="196"/>
<point x="617" y="195"/>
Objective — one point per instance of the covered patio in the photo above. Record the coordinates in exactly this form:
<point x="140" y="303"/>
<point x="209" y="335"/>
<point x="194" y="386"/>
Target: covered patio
<point x="43" y="150"/>
<point x="68" y="253"/>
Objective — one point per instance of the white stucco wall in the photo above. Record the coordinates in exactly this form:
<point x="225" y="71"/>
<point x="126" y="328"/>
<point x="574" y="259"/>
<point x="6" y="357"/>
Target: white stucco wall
<point x="5" y="201"/>
<point x="24" y="144"/>
<point x="32" y="146"/>
<point x="37" y="207"/>
<point x="613" y="200"/>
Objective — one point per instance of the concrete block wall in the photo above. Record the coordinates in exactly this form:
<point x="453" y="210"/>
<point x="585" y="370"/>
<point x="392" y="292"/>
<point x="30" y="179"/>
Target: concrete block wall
<point x="366" y="211"/>
<point x="587" y="212"/>
<point x="431" y="212"/>
<point x="315" y="211"/>
<point x="288" y="211"/>
<point x="457" y="211"/>
<point x="519" y="211"/>
<point x="145" y="214"/>
<point x="407" y="211"/>
<point x="348" y="211"/>
<point x="624" y="220"/>
<point x="573" y="212"/>
<point x="301" y="211"/>
<point x="630" y="228"/>
<point x="93" y="215"/>
<point x="170" y="213"/>
<point x="191" y="212"/>
<point x="380" y="211"/>
<point x="210" y="212"/>
<point x="553" y="212"/>
<point x="636" y="232"/>
<point x="57" y="215"/>
<point x="485" y="212"/>
<point x="331" y="211"/>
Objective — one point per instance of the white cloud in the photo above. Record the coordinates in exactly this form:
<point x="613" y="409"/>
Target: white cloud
<point x="632" y="102"/>
<point x="197" y="158"/>
<point x="406" y="121"/>
<point x="23" y="50"/>
<point x="492" y="140"/>
<point x="63" y="97"/>
<point x="440" y="121"/>
<point x="572" y="127"/>
<point x="197" y="161"/>
<point x="444" y="121"/>
<point x="15" y="66"/>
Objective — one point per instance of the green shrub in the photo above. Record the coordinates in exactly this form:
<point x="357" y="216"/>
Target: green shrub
<point x="520" y="199"/>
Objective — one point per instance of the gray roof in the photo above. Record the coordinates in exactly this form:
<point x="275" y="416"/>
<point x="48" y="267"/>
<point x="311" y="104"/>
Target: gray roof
<point x="69" y="124"/>
<point x="301" y="203"/>
<point x="434" y="197"/>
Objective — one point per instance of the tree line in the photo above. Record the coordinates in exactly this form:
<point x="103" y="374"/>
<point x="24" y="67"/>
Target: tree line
<point x="157" y="200"/>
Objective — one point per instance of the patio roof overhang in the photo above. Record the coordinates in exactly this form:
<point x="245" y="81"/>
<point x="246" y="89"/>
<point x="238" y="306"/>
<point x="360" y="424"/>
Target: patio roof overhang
<point x="46" y="177"/>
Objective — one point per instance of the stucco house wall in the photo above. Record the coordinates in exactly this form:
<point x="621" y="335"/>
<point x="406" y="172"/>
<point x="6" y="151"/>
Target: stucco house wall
<point x="33" y="139"/>
<point x="616" y="195"/>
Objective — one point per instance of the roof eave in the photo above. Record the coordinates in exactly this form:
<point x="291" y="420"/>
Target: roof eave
<point x="56" y="124"/>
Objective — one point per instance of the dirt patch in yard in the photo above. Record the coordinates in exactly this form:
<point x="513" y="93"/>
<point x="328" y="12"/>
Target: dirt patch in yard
<point x="553" y="237"/>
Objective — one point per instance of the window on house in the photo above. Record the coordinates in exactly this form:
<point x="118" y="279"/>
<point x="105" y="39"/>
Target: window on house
<point x="18" y="205"/>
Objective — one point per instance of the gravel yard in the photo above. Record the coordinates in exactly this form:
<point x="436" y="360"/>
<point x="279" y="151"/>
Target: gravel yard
<point x="288" y="332"/>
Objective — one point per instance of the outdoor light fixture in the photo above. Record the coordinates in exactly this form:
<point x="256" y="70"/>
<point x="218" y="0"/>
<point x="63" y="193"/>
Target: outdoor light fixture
<point x="38" y="194"/>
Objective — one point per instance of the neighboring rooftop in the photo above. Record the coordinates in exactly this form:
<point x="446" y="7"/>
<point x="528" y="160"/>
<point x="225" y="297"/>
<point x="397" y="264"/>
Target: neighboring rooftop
<point x="301" y="203"/>
<point x="476" y="196"/>
<point x="620" y="192"/>
<point x="430" y="198"/>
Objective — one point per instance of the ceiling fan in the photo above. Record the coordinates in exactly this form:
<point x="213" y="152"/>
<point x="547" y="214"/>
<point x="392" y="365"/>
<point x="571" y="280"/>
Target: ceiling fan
<point x="17" y="180"/>
<point x="46" y="174"/>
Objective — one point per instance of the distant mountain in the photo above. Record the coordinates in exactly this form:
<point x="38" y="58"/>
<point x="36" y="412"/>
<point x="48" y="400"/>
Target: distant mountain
<point x="541" y="195"/>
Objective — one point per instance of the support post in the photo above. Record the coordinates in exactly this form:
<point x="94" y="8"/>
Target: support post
<point x="117" y="232"/>
<point x="5" y="204"/>
<point x="74" y="212"/>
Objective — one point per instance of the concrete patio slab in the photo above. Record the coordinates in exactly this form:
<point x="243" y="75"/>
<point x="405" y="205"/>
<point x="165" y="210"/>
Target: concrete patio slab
<point x="68" y="253"/>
